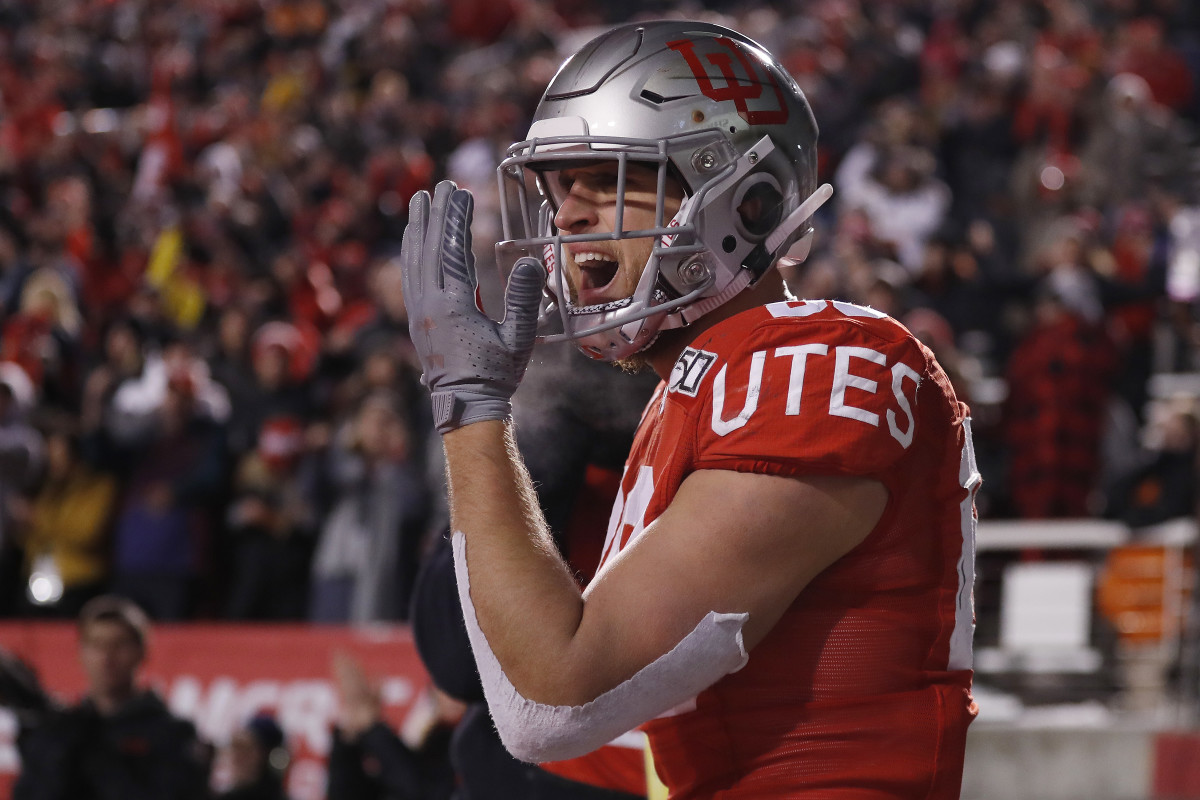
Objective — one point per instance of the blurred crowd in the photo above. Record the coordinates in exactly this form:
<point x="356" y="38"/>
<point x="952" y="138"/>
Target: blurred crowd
<point x="120" y="741"/>
<point x="208" y="401"/>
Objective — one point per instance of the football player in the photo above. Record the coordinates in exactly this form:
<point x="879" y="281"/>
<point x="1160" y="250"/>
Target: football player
<point x="784" y="600"/>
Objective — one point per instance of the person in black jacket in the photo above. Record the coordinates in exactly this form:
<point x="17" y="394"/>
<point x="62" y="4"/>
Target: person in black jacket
<point x="370" y="761"/>
<point x="120" y="742"/>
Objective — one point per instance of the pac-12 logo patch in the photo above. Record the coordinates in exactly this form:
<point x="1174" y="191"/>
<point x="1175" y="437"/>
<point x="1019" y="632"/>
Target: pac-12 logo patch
<point x="689" y="371"/>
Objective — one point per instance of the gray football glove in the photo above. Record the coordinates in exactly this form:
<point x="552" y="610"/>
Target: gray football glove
<point x="472" y="364"/>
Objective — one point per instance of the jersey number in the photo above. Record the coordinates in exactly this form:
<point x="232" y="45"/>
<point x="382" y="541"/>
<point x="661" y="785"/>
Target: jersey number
<point x="628" y="517"/>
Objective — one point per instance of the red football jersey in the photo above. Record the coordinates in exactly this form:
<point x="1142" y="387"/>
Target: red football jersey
<point x="863" y="688"/>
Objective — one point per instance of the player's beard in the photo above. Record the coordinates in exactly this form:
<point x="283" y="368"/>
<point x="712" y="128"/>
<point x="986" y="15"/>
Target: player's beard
<point x="633" y="364"/>
<point x="675" y="338"/>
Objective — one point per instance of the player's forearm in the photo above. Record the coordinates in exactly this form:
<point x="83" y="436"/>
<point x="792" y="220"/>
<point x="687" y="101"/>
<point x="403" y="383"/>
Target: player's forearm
<point x="527" y="603"/>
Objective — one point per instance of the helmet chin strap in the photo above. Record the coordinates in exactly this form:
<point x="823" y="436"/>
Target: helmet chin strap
<point x="690" y="313"/>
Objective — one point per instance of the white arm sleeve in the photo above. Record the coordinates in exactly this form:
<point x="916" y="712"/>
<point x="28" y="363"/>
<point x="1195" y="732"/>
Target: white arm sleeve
<point x="536" y="732"/>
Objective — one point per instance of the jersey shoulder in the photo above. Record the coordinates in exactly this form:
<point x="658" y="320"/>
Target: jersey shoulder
<point x="803" y="386"/>
<point x="794" y="319"/>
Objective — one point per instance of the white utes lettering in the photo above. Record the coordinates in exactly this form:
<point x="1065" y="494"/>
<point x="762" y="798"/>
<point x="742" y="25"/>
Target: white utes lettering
<point x="854" y="392"/>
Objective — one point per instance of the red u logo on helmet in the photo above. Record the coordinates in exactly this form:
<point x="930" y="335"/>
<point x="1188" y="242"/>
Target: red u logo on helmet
<point x="734" y="89"/>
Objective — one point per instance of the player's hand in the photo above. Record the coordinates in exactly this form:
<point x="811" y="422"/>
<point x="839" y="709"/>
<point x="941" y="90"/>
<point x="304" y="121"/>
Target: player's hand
<point x="472" y="364"/>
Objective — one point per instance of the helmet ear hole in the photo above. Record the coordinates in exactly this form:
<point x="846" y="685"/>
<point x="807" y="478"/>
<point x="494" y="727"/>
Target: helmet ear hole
<point x="759" y="206"/>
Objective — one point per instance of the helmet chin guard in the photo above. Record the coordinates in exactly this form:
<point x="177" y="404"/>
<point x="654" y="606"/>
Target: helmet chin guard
<point x="713" y="114"/>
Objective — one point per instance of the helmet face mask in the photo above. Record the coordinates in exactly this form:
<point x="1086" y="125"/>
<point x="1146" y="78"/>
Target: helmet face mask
<point x="741" y="148"/>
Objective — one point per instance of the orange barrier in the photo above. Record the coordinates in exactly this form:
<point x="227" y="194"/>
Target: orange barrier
<point x="219" y="675"/>
<point x="1143" y="589"/>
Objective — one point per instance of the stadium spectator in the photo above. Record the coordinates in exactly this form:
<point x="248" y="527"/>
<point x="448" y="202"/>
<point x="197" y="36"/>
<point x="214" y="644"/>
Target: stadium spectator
<point x="1059" y="389"/>
<point x="960" y="280"/>
<point x="119" y="742"/>
<point x="174" y="450"/>
<point x="1143" y="50"/>
<point x="903" y="202"/>
<point x="122" y="358"/>
<point x="258" y="761"/>
<point x="1132" y="143"/>
<point x="978" y="148"/>
<point x="281" y="361"/>
<point x="369" y="545"/>
<point x="66" y="528"/>
<point x="1177" y="234"/>
<point x="271" y="525"/>
<point x="43" y="336"/>
<point x="1134" y="288"/>
<point x="22" y="456"/>
<point x="230" y="362"/>
<point x="1164" y="485"/>
<point x="370" y="761"/>
<point x="369" y="350"/>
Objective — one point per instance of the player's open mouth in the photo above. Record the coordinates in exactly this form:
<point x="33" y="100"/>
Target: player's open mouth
<point x="596" y="272"/>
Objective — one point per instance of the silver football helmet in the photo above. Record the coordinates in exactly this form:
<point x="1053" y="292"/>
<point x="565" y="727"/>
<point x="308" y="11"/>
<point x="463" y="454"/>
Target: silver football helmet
<point x="714" y="113"/>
